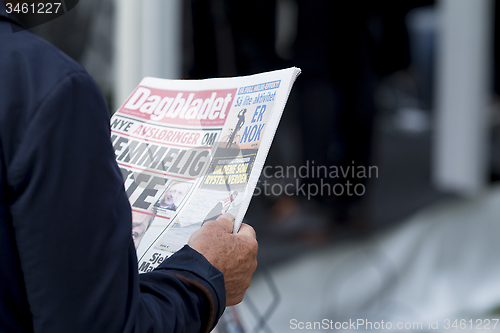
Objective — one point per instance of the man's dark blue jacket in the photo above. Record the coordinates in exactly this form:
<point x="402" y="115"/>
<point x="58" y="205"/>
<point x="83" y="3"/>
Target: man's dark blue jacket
<point x="67" y="260"/>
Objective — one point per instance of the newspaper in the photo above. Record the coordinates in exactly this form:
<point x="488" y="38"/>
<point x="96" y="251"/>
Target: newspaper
<point x="191" y="150"/>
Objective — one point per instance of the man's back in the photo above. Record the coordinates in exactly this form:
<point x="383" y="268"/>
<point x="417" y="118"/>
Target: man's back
<point x="29" y="72"/>
<point x="67" y="256"/>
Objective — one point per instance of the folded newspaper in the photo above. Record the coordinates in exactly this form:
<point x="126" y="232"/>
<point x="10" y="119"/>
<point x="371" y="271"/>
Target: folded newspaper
<point x="191" y="150"/>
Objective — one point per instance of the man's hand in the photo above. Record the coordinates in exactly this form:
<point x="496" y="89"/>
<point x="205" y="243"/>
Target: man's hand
<point x="235" y="255"/>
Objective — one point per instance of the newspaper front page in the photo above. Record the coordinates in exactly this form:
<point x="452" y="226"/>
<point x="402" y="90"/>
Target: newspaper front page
<point x="191" y="150"/>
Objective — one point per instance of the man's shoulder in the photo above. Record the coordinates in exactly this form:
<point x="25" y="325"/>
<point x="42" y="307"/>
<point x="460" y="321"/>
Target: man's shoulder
<point x="28" y="62"/>
<point x="34" y="76"/>
<point x="31" y="58"/>
<point x="31" y="70"/>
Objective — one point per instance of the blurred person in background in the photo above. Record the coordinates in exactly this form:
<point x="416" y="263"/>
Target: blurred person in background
<point x="343" y="55"/>
<point x="344" y="48"/>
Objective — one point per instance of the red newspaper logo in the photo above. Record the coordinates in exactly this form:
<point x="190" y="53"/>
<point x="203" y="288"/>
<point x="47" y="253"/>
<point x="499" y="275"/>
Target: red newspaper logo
<point x="192" y="108"/>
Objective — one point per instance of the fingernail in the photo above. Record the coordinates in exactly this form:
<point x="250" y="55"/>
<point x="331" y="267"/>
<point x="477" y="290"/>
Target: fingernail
<point x="228" y="216"/>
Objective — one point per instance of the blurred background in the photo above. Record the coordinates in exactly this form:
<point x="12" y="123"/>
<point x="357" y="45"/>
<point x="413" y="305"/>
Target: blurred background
<point x="406" y="88"/>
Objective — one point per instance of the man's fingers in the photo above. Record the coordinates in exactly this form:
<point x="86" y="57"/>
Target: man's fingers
<point x="225" y="221"/>
<point x="235" y="255"/>
<point x="227" y="216"/>
<point x="245" y="229"/>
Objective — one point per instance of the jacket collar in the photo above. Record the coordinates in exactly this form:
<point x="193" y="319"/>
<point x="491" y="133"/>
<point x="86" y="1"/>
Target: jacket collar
<point x="5" y="17"/>
<point x="3" y="12"/>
